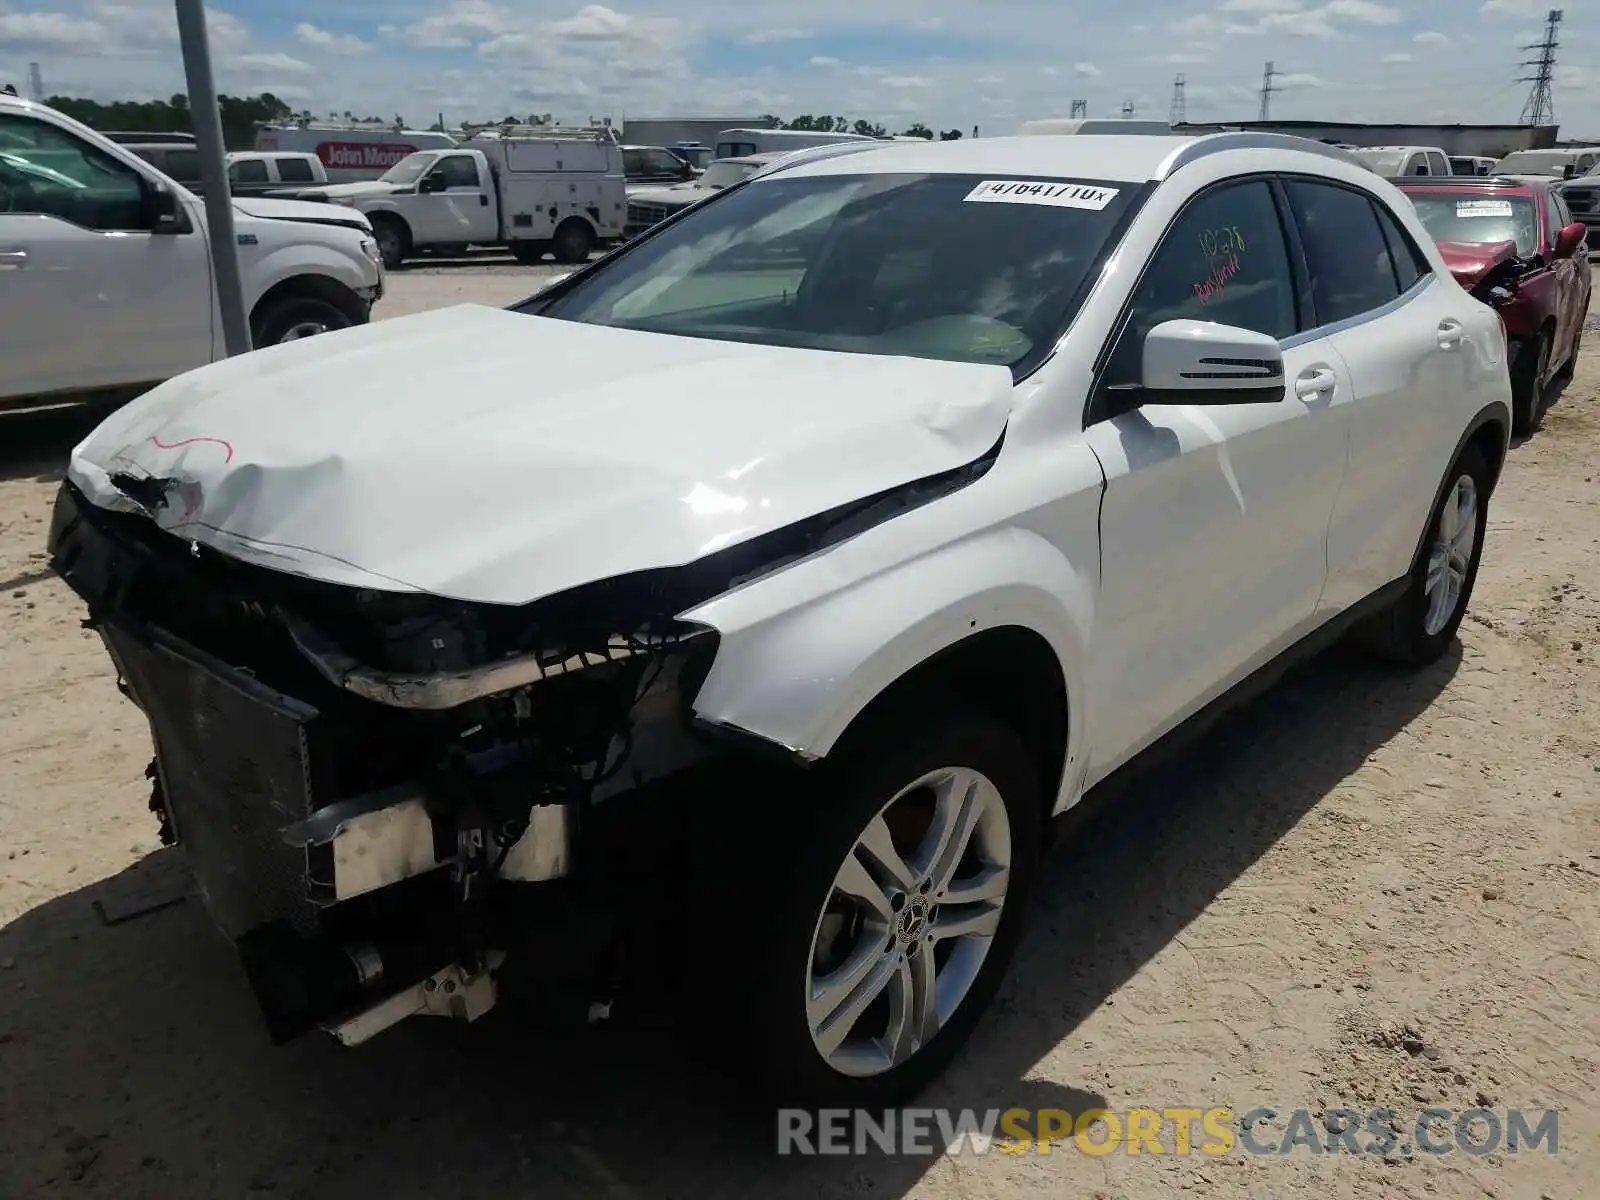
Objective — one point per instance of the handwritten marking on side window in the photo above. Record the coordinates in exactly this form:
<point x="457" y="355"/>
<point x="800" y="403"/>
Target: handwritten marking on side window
<point x="1208" y="290"/>
<point x="1223" y="240"/>
<point x="1054" y="195"/>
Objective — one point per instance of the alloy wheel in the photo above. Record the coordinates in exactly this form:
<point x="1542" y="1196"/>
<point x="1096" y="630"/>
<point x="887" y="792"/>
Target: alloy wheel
<point x="908" y="921"/>
<point x="1450" y="557"/>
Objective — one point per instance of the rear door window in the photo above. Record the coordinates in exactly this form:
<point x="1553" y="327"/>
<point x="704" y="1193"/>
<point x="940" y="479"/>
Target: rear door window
<point x="1351" y="271"/>
<point x="1437" y="163"/>
<point x="295" y="170"/>
<point x="1410" y="264"/>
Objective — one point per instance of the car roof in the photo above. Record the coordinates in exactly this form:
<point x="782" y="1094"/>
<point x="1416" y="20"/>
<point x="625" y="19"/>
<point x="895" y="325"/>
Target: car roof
<point x="1131" y="158"/>
<point x="1482" y="183"/>
<point x="1122" y="158"/>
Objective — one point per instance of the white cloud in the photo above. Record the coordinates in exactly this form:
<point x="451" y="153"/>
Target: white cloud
<point x="1514" y="8"/>
<point x="329" y="43"/>
<point x="1399" y="57"/>
<point x="50" y="29"/>
<point x="461" y="24"/>
<point x="271" y="64"/>
<point x="989" y="65"/>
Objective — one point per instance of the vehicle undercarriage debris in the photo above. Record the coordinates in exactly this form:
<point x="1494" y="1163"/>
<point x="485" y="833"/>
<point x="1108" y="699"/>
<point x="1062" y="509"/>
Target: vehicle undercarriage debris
<point x="360" y="777"/>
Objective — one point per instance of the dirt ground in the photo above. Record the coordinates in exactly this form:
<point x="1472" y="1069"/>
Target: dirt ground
<point x="1367" y="889"/>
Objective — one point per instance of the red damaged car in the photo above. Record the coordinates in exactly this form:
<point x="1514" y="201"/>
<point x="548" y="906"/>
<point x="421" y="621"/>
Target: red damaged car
<point x="1511" y="242"/>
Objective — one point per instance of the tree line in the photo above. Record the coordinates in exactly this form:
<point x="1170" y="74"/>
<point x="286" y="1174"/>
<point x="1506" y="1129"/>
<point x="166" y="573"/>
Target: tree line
<point x="241" y="115"/>
<point x="828" y="124"/>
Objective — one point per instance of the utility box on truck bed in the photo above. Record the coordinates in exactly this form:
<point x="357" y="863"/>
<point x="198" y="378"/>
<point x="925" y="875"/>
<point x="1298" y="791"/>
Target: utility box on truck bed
<point x="557" y="191"/>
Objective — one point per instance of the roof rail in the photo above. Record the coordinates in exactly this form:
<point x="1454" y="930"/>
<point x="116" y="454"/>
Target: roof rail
<point x="811" y="154"/>
<point x="1220" y="143"/>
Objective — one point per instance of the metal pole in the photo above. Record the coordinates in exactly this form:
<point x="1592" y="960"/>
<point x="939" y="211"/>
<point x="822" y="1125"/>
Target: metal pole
<point x="213" y="172"/>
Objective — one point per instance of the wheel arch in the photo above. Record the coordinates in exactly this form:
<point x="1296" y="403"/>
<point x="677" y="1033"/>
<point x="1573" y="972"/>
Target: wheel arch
<point x="806" y="678"/>
<point x="1490" y="432"/>
<point x="311" y="287"/>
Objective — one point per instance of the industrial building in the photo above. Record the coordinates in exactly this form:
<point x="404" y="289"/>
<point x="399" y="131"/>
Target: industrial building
<point x="669" y="131"/>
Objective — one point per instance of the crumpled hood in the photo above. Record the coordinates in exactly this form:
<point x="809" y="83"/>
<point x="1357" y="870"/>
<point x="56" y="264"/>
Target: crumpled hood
<point x="300" y="210"/>
<point x="490" y="456"/>
<point x="1469" y="262"/>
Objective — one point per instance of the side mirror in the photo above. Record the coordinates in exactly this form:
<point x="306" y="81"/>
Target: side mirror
<point x="1201" y="362"/>
<point x="1568" y="171"/>
<point x="1570" y="238"/>
<point x="163" y="210"/>
<point x="431" y="184"/>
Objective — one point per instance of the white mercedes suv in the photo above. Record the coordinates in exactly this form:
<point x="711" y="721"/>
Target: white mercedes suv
<point x="722" y="626"/>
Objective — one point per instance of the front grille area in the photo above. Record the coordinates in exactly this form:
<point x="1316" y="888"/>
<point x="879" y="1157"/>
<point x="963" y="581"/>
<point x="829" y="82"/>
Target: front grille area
<point x="645" y="215"/>
<point x="236" y="762"/>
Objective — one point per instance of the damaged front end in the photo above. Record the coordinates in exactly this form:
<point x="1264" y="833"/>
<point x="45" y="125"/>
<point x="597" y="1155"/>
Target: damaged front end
<point x="384" y="795"/>
<point x="358" y="776"/>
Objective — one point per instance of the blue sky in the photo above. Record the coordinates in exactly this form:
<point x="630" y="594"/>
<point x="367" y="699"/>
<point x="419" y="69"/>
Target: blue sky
<point x="893" y="61"/>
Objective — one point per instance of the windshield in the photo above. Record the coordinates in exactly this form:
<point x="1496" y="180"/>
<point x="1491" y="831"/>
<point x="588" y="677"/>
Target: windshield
<point x="931" y="266"/>
<point x="725" y="174"/>
<point x="1479" y="219"/>
<point x="1384" y="162"/>
<point x="1533" y="162"/>
<point x="409" y="169"/>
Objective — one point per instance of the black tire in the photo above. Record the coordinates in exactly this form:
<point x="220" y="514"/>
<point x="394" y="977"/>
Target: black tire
<point x="394" y="240"/>
<point x="831" y="807"/>
<point x="573" y="242"/>
<point x="294" y="317"/>
<point x="1528" y="377"/>
<point x="529" y="253"/>
<point x="1400" y="632"/>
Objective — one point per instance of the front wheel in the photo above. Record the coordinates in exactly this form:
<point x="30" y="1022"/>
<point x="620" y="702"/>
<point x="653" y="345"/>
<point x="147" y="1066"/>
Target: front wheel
<point x="393" y="242"/>
<point x="293" y="318"/>
<point x="892" y="922"/>
<point x="1528" y="377"/>
<point x="1418" y="627"/>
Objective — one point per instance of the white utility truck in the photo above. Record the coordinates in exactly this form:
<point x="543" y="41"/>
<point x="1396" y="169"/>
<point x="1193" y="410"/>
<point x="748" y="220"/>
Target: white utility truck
<point x="351" y="150"/>
<point x="534" y="190"/>
<point x="106" y="274"/>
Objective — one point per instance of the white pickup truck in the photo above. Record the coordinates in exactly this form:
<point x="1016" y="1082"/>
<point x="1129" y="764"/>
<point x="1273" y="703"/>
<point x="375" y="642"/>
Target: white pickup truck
<point x="563" y="194"/>
<point x="105" y="266"/>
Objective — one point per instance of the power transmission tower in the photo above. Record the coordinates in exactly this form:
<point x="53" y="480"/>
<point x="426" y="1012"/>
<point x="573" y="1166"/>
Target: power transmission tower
<point x="1179" y="112"/>
<point x="36" y="82"/>
<point x="1267" y="90"/>
<point x="1540" y="108"/>
<point x="1127" y="109"/>
<point x="1080" y="108"/>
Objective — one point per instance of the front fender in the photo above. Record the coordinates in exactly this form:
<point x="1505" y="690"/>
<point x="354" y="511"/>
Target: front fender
<point x="797" y="676"/>
<point x="354" y="269"/>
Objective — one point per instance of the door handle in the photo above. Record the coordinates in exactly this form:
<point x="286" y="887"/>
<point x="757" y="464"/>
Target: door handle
<point x="1450" y="334"/>
<point x="1314" y="383"/>
<point x="483" y="200"/>
<point x="13" y="260"/>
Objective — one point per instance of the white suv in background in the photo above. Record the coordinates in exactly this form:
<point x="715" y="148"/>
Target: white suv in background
<point x="785" y="571"/>
<point x="105" y="265"/>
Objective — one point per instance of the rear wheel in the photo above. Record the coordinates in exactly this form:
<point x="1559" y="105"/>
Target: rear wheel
<point x="573" y="241"/>
<point x="890" y="911"/>
<point x="394" y="241"/>
<point x="1418" y="627"/>
<point x="1528" y="377"/>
